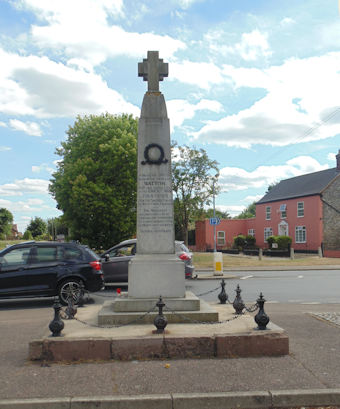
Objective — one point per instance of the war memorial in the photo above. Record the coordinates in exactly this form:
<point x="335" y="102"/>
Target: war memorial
<point x="157" y="318"/>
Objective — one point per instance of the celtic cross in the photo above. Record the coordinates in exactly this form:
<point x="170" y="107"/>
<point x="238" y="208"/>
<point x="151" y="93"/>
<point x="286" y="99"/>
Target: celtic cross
<point x="153" y="70"/>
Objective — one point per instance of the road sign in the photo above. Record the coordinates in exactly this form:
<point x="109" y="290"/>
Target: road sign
<point x="214" y="221"/>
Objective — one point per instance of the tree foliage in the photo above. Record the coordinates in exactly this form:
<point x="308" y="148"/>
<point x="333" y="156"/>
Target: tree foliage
<point x="194" y="177"/>
<point x="37" y="227"/>
<point x="55" y="226"/>
<point x="27" y="235"/>
<point x="6" y="221"/>
<point x="248" y="212"/>
<point x="208" y="213"/>
<point x="270" y="187"/>
<point x="95" y="183"/>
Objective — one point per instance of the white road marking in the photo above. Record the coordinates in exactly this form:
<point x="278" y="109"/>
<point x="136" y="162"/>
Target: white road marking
<point x="299" y="276"/>
<point x="245" y="277"/>
<point x="311" y="303"/>
<point x="272" y="302"/>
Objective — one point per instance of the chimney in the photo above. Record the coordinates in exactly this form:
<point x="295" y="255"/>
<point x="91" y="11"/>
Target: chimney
<point x="338" y="161"/>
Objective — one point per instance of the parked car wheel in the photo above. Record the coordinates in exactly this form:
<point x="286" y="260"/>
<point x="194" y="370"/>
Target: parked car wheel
<point x="70" y="288"/>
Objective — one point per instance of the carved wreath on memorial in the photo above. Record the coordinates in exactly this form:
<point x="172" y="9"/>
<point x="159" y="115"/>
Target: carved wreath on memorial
<point x="154" y="161"/>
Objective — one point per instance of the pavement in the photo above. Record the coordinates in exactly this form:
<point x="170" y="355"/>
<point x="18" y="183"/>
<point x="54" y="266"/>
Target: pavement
<point x="308" y="377"/>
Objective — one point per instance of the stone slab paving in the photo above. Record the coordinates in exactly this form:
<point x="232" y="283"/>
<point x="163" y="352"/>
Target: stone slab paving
<point x="333" y="317"/>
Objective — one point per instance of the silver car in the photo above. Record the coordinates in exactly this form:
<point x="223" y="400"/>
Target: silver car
<point x="116" y="259"/>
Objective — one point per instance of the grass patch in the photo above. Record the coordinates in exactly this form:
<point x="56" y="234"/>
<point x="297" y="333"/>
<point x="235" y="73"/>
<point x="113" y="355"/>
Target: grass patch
<point x="206" y="260"/>
<point x="5" y="243"/>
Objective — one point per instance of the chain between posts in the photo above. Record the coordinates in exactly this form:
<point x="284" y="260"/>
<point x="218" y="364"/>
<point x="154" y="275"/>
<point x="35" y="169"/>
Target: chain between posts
<point x="118" y="325"/>
<point x="200" y="322"/>
<point x="208" y="292"/>
<point x="261" y="318"/>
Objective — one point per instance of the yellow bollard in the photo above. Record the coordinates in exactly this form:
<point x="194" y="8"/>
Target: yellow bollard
<point x="218" y="264"/>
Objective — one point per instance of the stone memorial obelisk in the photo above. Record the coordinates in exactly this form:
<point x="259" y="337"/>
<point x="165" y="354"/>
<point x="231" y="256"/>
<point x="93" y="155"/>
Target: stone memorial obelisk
<point x="155" y="270"/>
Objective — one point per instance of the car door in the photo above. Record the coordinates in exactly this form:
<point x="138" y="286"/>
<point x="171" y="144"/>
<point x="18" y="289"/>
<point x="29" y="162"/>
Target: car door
<point x="15" y="278"/>
<point x="43" y="268"/>
<point x="116" y="267"/>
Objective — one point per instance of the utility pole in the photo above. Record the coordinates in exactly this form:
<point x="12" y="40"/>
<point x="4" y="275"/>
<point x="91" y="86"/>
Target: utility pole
<point x="214" y="215"/>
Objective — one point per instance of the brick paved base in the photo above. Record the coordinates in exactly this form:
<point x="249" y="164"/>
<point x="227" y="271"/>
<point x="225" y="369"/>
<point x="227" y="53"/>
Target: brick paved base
<point x="256" y="343"/>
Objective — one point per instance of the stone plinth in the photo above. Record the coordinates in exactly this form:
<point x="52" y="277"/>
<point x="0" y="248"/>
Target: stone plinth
<point x="189" y="303"/>
<point x="107" y="316"/>
<point x="158" y="274"/>
<point x="186" y="309"/>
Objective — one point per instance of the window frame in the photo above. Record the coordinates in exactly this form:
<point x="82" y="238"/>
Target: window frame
<point x="283" y="210"/>
<point x="268" y="212"/>
<point x="251" y="232"/>
<point x="303" y="231"/>
<point x="266" y="229"/>
<point x="299" y="209"/>
<point x="220" y="238"/>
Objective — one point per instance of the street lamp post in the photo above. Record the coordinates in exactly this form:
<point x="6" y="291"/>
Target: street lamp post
<point x="214" y="216"/>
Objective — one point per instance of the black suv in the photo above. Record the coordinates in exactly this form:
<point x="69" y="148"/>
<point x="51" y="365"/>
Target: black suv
<point x="47" y="269"/>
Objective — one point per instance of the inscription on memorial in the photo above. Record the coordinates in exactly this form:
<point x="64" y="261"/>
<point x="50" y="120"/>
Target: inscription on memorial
<point x="155" y="201"/>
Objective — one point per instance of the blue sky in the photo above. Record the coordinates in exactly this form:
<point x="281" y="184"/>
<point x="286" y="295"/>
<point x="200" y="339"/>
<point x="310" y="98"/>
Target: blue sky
<point x="253" y="82"/>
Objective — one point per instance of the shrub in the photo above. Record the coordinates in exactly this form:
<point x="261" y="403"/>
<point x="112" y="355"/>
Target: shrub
<point x="250" y="241"/>
<point x="239" y="241"/>
<point x="282" y="242"/>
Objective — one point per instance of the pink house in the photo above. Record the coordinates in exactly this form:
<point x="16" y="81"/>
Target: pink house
<point x="306" y="208"/>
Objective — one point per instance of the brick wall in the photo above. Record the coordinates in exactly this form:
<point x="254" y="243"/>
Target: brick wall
<point x="331" y="219"/>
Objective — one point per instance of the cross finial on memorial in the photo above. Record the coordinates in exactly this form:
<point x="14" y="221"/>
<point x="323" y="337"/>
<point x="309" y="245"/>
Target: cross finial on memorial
<point x="153" y="70"/>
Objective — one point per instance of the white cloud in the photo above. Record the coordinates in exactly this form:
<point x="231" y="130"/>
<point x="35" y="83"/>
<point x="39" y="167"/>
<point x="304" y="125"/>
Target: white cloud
<point x="233" y="210"/>
<point x="44" y="167"/>
<point x="81" y="30"/>
<point x="232" y="178"/>
<point x="31" y="128"/>
<point x="187" y="3"/>
<point x="3" y="124"/>
<point x="22" y="206"/>
<point x="297" y="107"/>
<point x="251" y="199"/>
<point x="331" y="157"/>
<point x="4" y="148"/>
<point x="26" y="185"/>
<point x="180" y="110"/>
<point x="253" y="45"/>
<point x="201" y="74"/>
<point x="287" y="21"/>
<point x="40" y="87"/>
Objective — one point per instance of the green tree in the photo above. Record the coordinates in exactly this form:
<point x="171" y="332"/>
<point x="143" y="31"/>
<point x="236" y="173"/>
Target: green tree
<point x="208" y="213"/>
<point x="37" y="227"/>
<point x="248" y="212"/>
<point x="194" y="178"/>
<point x="55" y="226"/>
<point x="6" y="221"/>
<point x="95" y="183"/>
<point x="270" y="187"/>
<point x="27" y="235"/>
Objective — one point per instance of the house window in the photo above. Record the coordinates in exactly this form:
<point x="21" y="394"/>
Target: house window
<point x="251" y="232"/>
<point x="220" y="238"/>
<point x="300" y="209"/>
<point x="300" y="234"/>
<point x="283" y="210"/>
<point x="268" y="212"/>
<point x="268" y="231"/>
